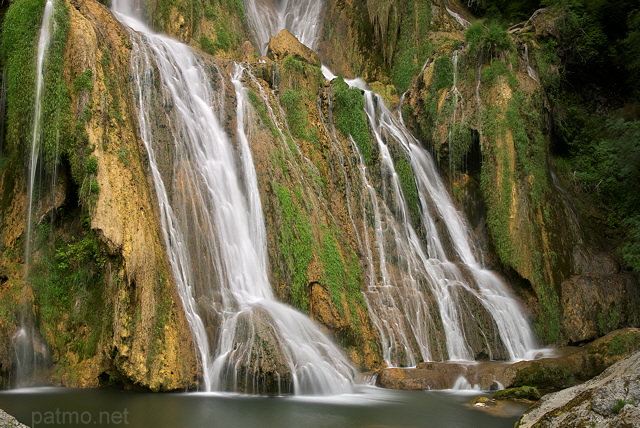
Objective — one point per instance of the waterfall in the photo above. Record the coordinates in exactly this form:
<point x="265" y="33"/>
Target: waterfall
<point x="214" y="230"/>
<point x="419" y="286"/>
<point x="268" y="17"/>
<point x="453" y="278"/>
<point x="459" y="19"/>
<point x="530" y="71"/>
<point x="36" y="130"/>
<point x="26" y="343"/>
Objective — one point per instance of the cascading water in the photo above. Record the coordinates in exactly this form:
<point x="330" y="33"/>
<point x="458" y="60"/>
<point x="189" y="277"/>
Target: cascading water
<point x="268" y="17"/>
<point x="214" y="230"/>
<point x="29" y="349"/>
<point x="417" y="292"/>
<point x="530" y="71"/>
<point x="453" y="278"/>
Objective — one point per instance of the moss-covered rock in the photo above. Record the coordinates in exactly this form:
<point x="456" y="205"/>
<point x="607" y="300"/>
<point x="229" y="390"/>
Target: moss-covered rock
<point x="520" y="393"/>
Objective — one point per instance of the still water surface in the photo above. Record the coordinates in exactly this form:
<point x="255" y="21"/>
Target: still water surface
<point x="367" y="407"/>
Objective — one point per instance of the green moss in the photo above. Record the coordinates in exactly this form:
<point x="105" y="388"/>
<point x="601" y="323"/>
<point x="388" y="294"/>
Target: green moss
<point x="19" y="40"/>
<point x="443" y="73"/>
<point x="409" y="189"/>
<point x="342" y="274"/>
<point x="548" y="324"/>
<point x="295" y="244"/>
<point x="520" y="393"/>
<point x="497" y="194"/>
<point x="56" y="114"/>
<point x="83" y="82"/>
<point x="624" y="344"/>
<point x="412" y="49"/>
<point x="350" y="117"/>
<point x="297" y="115"/>
<point x="544" y="377"/>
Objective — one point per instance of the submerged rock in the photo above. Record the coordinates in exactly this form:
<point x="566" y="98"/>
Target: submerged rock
<point x="611" y="399"/>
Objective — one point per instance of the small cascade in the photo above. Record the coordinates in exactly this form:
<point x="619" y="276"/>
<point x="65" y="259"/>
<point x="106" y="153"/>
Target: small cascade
<point x="462" y="384"/>
<point x="454" y="115"/>
<point x="214" y="231"/>
<point x="530" y="71"/>
<point x="300" y="17"/>
<point x="36" y="130"/>
<point x="459" y="19"/>
<point x="29" y="349"/>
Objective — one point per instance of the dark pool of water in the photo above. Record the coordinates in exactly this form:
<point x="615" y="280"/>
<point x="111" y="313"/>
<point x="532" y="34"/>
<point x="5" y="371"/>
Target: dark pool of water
<point x="367" y="407"/>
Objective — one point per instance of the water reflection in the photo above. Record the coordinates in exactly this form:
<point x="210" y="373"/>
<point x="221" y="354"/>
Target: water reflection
<point x="367" y="407"/>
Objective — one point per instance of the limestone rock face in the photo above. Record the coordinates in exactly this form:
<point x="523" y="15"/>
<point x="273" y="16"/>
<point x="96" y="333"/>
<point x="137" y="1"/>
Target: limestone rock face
<point x="286" y="44"/>
<point x="609" y="400"/>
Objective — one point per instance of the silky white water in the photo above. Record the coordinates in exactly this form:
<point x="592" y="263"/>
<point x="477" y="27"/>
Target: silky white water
<point x="214" y="230"/>
<point x="301" y="17"/>
<point x="36" y="130"/>
<point x="26" y="344"/>
<point x="427" y="282"/>
<point x="452" y="279"/>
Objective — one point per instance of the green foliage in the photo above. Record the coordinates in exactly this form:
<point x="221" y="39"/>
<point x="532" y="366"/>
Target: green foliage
<point x="208" y="45"/>
<point x="497" y="194"/>
<point x="496" y="68"/>
<point x="620" y="404"/>
<point x="67" y="275"/>
<point x="487" y="41"/>
<point x="292" y="64"/>
<point x="525" y="124"/>
<point x="509" y="11"/>
<point x="91" y="165"/>
<point x="351" y="118"/>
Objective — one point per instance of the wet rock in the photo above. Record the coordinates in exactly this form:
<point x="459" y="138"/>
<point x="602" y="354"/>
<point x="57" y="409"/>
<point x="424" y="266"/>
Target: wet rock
<point x="519" y="393"/>
<point x="568" y="366"/>
<point x="608" y="400"/>
<point x="257" y="364"/>
<point x="286" y="44"/>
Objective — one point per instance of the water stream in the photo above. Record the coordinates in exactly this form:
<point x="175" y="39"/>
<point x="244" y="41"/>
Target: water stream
<point x="26" y="343"/>
<point x="214" y="230"/>
<point x="301" y="17"/>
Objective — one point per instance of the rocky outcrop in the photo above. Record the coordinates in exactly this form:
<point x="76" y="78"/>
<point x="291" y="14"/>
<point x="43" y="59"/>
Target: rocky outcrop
<point x="99" y="280"/>
<point x="568" y="366"/>
<point x="611" y="399"/>
<point x="8" y="421"/>
<point x="285" y="44"/>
